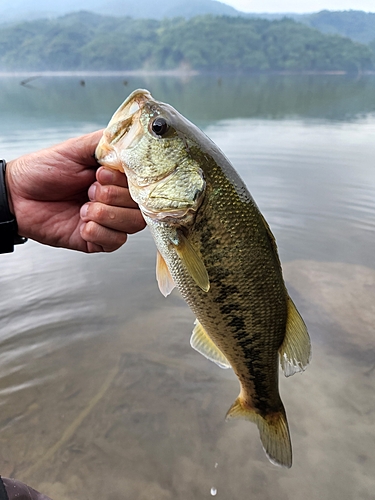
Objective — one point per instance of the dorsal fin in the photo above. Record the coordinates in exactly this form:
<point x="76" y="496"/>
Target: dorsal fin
<point x="295" y="351"/>
<point x="202" y="342"/>
<point x="163" y="276"/>
<point x="271" y="239"/>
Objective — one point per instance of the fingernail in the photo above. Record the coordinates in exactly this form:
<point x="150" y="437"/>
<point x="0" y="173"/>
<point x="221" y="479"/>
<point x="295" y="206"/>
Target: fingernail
<point x="92" y="192"/>
<point x="105" y="176"/>
<point x="84" y="210"/>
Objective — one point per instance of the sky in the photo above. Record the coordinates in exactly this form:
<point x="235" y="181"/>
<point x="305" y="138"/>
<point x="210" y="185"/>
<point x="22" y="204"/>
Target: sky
<point x="300" y="6"/>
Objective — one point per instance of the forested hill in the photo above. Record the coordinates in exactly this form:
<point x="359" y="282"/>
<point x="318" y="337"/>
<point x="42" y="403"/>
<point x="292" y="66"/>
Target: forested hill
<point x="93" y="42"/>
<point x="20" y="10"/>
<point x="354" y="24"/>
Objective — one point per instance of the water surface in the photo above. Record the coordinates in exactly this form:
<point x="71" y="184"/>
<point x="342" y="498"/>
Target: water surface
<point x="100" y="392"/>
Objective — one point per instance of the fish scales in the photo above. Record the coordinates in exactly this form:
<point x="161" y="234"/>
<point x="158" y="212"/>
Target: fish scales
<point x="216" y="247"/>
<point x="224" y="311"/>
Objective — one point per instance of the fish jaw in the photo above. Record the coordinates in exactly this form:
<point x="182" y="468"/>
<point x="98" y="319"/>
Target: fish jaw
<point x="122" y="130"/>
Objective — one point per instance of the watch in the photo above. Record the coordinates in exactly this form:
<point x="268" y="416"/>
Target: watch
<point x="8" y="225"/>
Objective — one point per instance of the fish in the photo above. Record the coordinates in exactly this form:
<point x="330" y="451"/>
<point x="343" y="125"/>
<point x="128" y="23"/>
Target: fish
<point x="216" y="247"/>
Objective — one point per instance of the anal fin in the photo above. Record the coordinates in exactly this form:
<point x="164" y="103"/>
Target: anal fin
<point x="295" y="351"/>
<point x="202" y="342"/>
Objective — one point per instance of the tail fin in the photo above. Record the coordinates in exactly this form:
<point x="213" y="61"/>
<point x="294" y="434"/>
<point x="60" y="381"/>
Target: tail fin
<point x="273" y="430"/>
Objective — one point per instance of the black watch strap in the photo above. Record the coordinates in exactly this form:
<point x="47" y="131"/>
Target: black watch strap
<point x="8" y="223"/>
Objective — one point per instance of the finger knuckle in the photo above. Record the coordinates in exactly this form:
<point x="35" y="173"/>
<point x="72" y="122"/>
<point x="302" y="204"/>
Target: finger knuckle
<point x="106" y="194"/>
<point x="98" y="212"/>
<point x="90" y="231"/>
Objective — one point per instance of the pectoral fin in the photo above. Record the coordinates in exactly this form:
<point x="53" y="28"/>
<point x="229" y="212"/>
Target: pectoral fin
<point x="163" y="276"/>
<point x="193" y="262"/>
<point x="295" y="351"/>
<point x="201" y="342"/>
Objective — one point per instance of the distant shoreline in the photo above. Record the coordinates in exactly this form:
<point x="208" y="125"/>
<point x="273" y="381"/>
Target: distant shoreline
<point x="177" y="73"/>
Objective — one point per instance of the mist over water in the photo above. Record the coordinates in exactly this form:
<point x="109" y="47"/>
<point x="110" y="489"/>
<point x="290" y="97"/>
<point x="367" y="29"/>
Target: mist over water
<point x="100" y="392"/>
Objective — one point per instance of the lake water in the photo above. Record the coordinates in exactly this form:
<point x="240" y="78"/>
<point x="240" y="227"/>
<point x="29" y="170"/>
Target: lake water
<point x="101" y="395"/>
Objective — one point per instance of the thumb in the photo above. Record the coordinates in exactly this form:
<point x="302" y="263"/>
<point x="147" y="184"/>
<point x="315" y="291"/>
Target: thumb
<point x="81" y="149"/>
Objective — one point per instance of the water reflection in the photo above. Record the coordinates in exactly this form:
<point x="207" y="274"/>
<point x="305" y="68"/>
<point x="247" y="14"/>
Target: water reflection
<point x="201" y="98"/>
<point x="100" y="392"/>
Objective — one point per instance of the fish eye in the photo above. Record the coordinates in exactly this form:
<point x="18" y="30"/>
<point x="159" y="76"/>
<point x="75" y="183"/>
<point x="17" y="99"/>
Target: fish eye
<point x="160" y="126"/>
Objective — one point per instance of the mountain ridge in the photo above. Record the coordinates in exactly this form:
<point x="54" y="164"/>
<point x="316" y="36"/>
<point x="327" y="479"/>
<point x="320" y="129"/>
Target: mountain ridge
<point x="354" y="24"/>
<point x="20" y="10"/>
<point x="89" y="41"/>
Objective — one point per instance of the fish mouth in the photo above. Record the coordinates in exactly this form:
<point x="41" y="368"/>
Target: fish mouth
<point x="129" y="108"/>
<point x="124" y="127"/>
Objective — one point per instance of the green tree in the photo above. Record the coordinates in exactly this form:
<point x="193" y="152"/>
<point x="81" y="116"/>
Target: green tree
<point x="206" y="43"/>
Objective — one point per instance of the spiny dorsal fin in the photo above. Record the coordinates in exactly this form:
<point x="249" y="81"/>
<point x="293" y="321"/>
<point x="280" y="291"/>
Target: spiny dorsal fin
<point x="163" y="276"/>
<point x="273" y="431"/>
<point x="295" y="351"/>
<point x="271" y="239"/>
<point x="193" y="262"/>
<point x="201" y="342"/>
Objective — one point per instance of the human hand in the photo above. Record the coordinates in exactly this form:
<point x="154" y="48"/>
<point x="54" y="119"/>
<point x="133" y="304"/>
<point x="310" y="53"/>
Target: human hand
<point x="60" y="199"/>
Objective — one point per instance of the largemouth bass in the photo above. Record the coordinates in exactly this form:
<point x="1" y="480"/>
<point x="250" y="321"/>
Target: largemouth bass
<point x="215" y="246"/>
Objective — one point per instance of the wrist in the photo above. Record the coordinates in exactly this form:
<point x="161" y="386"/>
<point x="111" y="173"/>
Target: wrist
<point x="8" y="224"/>
<point x="7" y="182"/>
